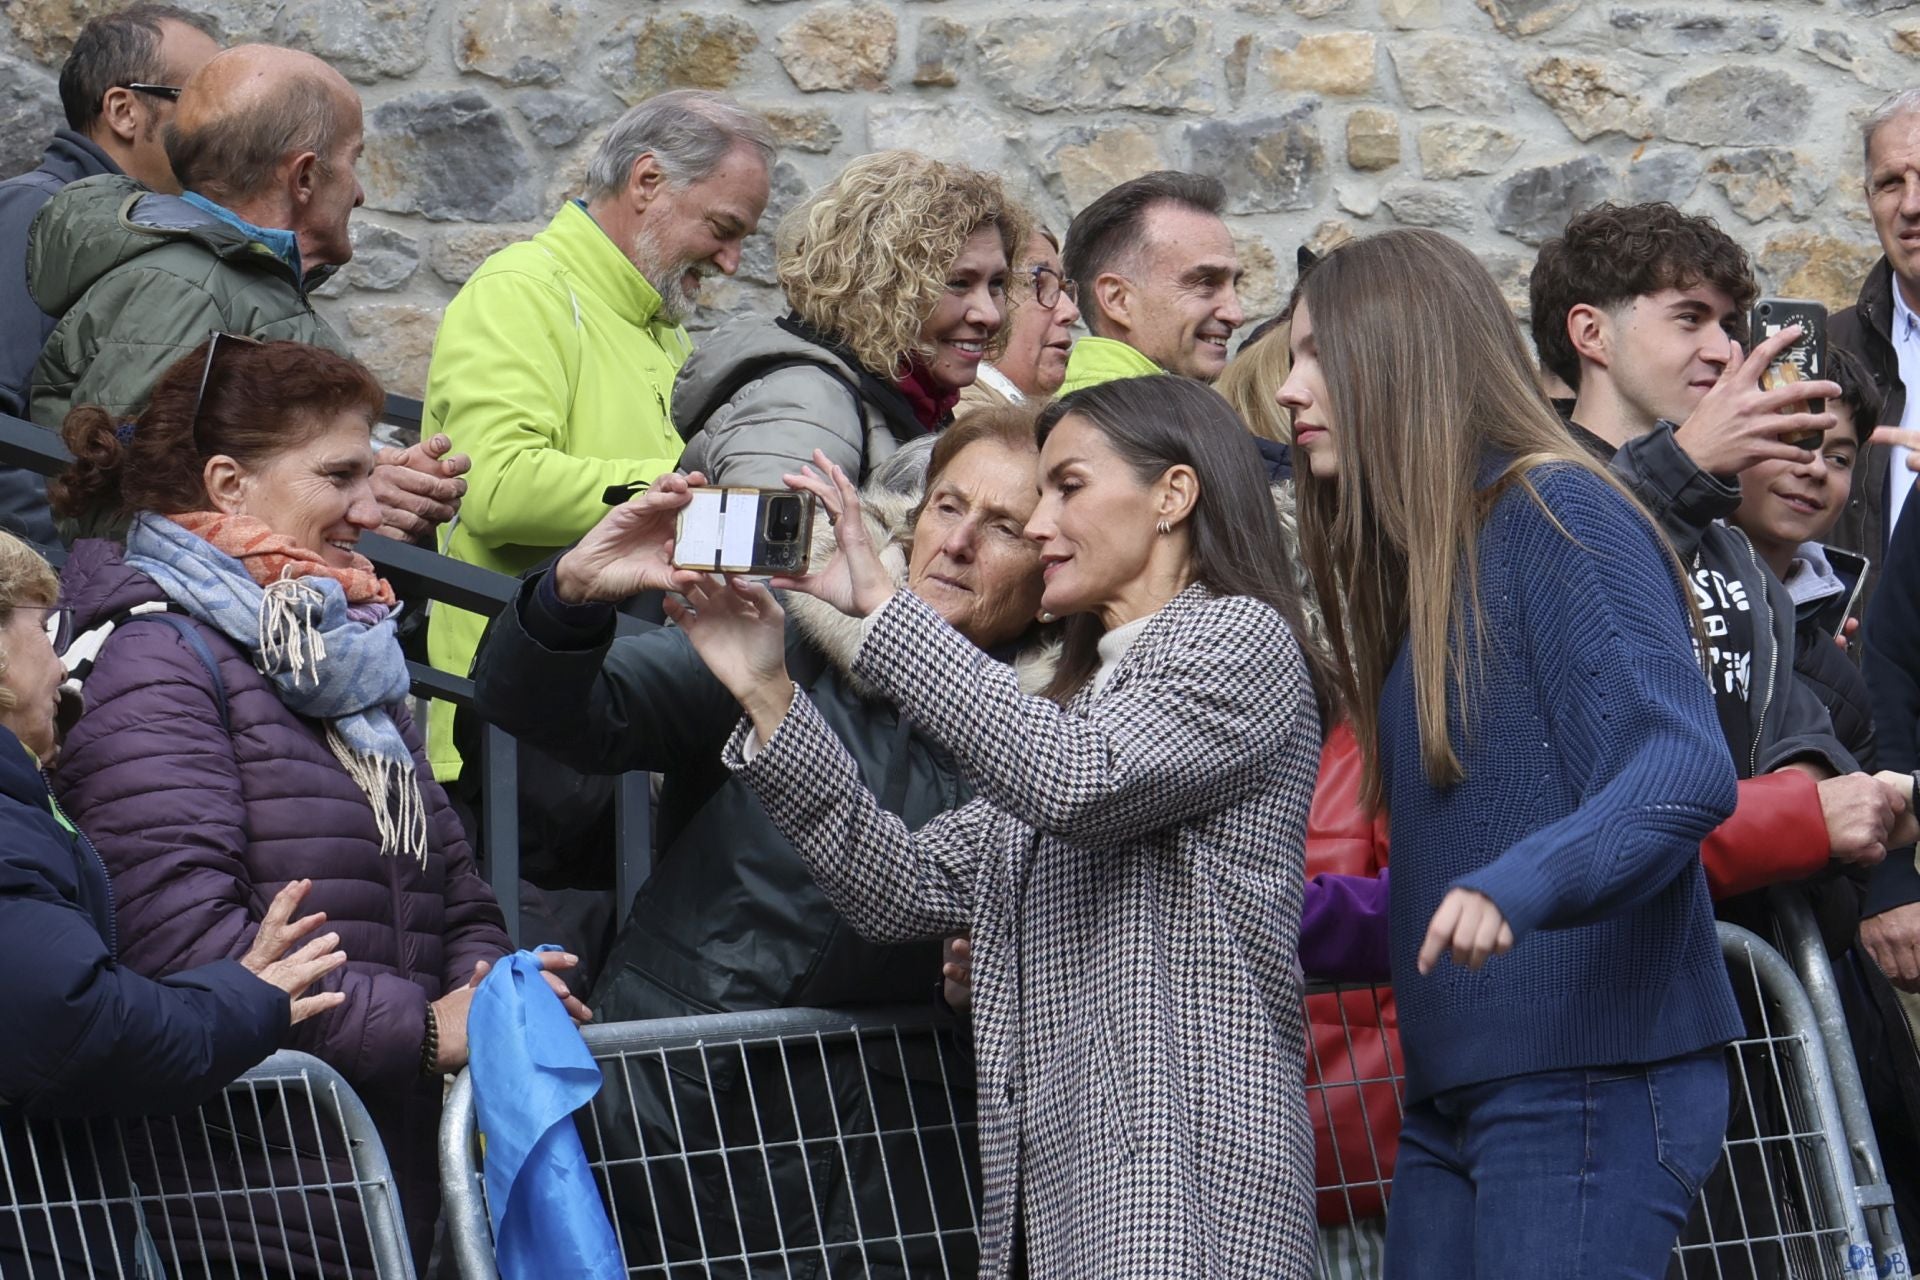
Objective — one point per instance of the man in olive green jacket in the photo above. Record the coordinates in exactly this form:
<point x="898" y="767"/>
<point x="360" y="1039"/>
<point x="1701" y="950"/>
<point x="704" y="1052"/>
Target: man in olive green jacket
<point x="554" y="366"/>
<point x="139" y="279"/>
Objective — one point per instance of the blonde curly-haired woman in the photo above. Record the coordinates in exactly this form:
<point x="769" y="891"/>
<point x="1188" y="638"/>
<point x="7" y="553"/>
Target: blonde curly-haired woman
<point x="896" y="273"/>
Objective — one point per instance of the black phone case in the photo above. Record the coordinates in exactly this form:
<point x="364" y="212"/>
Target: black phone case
<point x="1808" y="355"/>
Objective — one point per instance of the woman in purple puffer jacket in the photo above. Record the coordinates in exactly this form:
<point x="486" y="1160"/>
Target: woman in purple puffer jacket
<point x="247" y="480"/>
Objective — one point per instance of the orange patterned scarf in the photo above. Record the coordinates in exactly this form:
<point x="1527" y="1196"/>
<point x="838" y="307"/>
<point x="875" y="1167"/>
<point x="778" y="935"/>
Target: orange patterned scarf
<point x="270" y="556"/>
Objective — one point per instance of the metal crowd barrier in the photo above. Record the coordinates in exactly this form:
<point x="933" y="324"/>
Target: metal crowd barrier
<point x="1798" y="1192"/>
<point x="280" y="1175"/>
<point x="419" y="577"/>
<point x="792" y="1142"/>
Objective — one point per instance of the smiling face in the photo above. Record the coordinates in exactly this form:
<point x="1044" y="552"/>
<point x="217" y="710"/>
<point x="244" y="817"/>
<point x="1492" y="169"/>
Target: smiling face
<point x="1039" y="338"/>
<point x="1783" y="504"/>
<point x="1304" y="396"/>
<point x="1893" y="196"/>
<point x="968" y="314"/>
<point x="318" y="493"/>
<point x="1665" y="351"/>
<point x="33" y="675"/>
<point x="688" y="232"/>
<point x="972" y="560"/>
<point x="1179" y="304"/>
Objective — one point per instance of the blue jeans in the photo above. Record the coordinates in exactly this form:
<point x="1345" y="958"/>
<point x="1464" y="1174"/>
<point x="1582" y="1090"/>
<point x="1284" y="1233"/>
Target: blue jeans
<point x="1562" y="1175"/>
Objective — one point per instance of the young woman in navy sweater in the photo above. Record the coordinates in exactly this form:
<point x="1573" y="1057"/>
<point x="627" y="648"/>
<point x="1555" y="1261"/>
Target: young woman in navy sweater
<point x="1517" y="653"/>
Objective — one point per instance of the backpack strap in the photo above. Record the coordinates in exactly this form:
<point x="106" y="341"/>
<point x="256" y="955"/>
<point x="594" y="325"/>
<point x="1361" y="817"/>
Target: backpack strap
<point x="83" y="654"/>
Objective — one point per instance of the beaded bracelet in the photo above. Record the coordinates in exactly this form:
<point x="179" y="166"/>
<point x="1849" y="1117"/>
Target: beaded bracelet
<point x="430" y="1045"/>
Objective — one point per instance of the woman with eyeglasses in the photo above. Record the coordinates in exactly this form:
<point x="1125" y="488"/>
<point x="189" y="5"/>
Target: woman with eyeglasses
<point x="87" y="1036"/>
<point x="1039" y="335"/>
<point x="896" y="273"/>
<point x="265" y="738"/>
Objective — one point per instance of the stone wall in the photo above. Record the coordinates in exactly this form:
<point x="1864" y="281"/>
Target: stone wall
<point x="1490" y="119"/>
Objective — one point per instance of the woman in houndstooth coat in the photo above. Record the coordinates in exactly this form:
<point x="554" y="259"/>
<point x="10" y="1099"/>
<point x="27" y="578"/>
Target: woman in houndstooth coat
<point x="1131" y="870"/>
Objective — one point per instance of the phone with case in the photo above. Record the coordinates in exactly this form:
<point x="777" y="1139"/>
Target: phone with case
<point x="752" y="531"/>
<point x="1805" y="360"/>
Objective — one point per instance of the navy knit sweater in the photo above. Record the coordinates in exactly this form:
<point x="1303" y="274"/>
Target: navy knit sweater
<point x="1594" y="766"/>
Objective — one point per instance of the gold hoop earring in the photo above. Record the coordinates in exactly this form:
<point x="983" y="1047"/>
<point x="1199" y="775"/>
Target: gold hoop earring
<point x="1165" y="526"/>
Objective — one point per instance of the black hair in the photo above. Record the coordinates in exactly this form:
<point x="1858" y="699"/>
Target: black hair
<point x="115" y="50"/>
<point x="1858" y="391"/>
<point x="1112" y="225"/>
<point x="1162" y="421"/>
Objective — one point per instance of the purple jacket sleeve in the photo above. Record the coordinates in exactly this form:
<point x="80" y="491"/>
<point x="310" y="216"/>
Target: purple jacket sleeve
<point x="475" y="929"/>
<point x="1343" y="929"/>
<point x="177" y="852"/>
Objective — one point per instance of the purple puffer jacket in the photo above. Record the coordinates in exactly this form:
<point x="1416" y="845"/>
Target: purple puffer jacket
<point x="200" y="828"/>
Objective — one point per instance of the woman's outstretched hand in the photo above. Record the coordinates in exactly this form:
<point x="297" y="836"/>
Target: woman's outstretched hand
<point x="269" y="960"/>
<point x="854" y="581"/>
<point x="631" y="549"/>
<point x="739" y="631"/>
<point x="1468" y="927"/>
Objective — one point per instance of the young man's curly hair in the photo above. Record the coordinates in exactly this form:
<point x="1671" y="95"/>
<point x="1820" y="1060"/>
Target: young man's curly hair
<point x="1612" y="254"/>
<point x="867" y="256"/>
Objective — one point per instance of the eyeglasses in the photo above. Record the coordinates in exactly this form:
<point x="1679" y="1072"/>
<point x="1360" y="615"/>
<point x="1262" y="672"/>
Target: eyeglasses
<point x="1048" y="285"/>
<point x="206" y="372"/>
<point x="59" y="623"/>
<point x="170" y="92"/>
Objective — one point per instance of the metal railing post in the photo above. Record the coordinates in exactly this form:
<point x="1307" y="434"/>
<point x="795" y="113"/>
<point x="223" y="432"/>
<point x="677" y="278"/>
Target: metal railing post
<point x="500" y="822"/>
<point x="632" y="840"/>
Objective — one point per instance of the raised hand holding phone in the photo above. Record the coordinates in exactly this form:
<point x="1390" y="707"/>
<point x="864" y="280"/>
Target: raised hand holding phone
<point x="631" y="549"/>
<point x="853" y="581"/>
<point x="1739" y="422"/>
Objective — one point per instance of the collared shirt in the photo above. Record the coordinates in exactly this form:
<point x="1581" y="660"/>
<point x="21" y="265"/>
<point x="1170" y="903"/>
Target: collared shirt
<point x="1906" y="345"/>
<point x="284" y="244"/>
<point x="1002" y="383"/>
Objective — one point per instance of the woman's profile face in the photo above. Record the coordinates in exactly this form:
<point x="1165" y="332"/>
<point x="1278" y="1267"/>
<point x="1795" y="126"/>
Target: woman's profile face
<point x="33" y="677"/>
<point x="1304" y="395"/>
<point x="319" y="493"/>
<point x="1095" y="524"/>
<point x="965" y="320"/>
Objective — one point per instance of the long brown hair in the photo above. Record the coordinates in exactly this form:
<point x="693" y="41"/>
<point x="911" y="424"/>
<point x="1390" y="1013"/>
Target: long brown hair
<point x="1163" y="421"/>
<point x="1427" y="379"/>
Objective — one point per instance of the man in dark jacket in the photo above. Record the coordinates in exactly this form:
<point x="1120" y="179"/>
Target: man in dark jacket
<point x="139" y="278"/>
<point x="1638" y="309"/>
<point x="1882" y="328"/>
<point x="111" y="128"/>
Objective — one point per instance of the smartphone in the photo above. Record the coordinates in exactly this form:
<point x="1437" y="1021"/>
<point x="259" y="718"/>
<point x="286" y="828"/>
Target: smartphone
<point x="759" y="531"/>
<point x="1805" y="360"/>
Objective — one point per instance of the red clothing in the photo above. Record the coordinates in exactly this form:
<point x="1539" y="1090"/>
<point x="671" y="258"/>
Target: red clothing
<point x="932" y="403"/>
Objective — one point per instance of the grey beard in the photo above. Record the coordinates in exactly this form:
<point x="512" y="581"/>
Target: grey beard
<point x="675" y="305"/>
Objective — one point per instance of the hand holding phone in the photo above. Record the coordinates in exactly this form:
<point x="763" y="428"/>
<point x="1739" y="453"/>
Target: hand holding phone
<point x="1804" y="360"/>
<point x="753" y="531"/>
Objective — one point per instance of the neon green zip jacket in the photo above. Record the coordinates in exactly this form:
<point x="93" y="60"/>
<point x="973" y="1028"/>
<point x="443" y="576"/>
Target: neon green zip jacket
<point x="554" y="370"/>
<point x="1096" y="360"/>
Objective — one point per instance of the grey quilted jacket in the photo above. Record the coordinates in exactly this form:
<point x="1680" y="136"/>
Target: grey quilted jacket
<point x="1132" y="874"/>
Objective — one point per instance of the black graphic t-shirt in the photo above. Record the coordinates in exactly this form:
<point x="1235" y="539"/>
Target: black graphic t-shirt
<point x="1727" y="611"/>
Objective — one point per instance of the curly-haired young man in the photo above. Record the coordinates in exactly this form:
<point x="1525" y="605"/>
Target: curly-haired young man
<point x="1640" y="309"/>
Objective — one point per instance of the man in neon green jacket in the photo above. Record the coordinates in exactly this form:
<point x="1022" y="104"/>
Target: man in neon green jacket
<point x="1158" y="274"/>
<point x="554" y="365"/>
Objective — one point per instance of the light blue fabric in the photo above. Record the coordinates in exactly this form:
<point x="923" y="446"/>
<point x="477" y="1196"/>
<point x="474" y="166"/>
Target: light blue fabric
<point x="285" y="245"/>
<point x="531" y="1072"/>
<point x="363" y="671"/>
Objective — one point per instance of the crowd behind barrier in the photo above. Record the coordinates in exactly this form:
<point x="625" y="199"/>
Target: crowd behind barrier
<point x="1101" y="640"/>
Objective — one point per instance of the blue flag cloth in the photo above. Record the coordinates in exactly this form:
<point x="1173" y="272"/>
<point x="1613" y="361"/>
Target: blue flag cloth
<point x="531" y="1072"/>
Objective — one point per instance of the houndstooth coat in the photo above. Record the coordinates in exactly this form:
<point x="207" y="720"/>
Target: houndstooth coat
<point x="1132" y="874"/>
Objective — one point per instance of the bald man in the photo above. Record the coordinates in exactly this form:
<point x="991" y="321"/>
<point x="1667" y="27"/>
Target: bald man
<point x="264" y="144"/>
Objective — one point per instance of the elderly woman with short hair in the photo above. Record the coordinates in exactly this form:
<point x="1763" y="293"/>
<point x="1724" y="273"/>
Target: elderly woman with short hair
<point x="896" y="273"/>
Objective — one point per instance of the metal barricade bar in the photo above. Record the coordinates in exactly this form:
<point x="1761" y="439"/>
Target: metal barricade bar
<point x="734" y="1143"/>
<point x="282" y="1174"/>
<point x="1785" y="1198"/>
<point x="1804" y="947"/>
